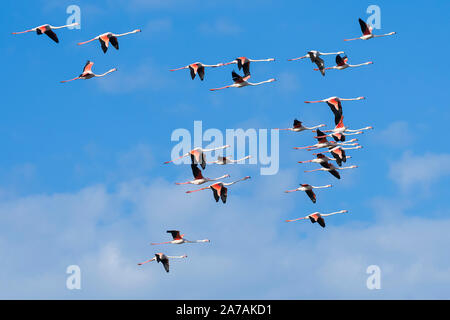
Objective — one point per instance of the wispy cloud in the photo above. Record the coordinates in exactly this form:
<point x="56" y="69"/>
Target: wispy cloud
<point x="419" y="171"/>
<point x="220" y="26"/>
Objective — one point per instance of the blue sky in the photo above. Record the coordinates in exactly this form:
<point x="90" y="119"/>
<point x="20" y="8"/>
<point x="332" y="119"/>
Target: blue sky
<point x="82" y="180"/>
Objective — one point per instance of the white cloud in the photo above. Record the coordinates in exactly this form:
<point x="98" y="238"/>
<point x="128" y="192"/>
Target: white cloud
<point x="396" y="134"/>
<point x="419" y="171"/>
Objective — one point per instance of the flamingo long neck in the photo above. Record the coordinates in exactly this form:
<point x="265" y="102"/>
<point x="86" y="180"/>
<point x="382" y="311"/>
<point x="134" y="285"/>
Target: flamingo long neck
<point x="126" y="33"/>
<point x="242" y="159"/>
<point x="261" y="60"/>
<point x="330" y="53"/>
<point x="359" y="65"/>
<point x="104" y="74"/>
<point x="322" y="187"/>
<point x="258" y="83"/>
<point x="65" y="26"/>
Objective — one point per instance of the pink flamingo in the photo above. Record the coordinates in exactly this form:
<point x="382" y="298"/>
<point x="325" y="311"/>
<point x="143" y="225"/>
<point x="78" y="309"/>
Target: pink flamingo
<point x="48" y="30"/>
<point x="308" y="189"/>
<point x="298" y="127"/>
<point x="367" y="32"/>
<point x="341" y="64"/>
<point x="198" y="155"/>
<point x="179" y="238"/>
<point x="109" y="37"/>
<point x="161" y="257"/>
<point x="243" y="62"/>
<point x="240" y="82"/>
<point x="219" y="189"/>
<point x="198" y="68"/>
<point x="318" y="217"/>
<point x="88" y="74"/>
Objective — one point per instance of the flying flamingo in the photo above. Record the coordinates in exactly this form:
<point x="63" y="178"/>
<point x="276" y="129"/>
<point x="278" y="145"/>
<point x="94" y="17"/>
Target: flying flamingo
<point x="109" y="37"/>
<point x="198" y="68"/>
<point x="341" y="64"/>
<point x="198" y="155"/>
<point x="88" y="74"/>
<point x="340" y="131"/>
<point x="339" y="153"/>
<point x="298" y="127"/>
<point x="243" y="62"/>
<point x="309" y="190"/>
<point x="198" y="177"/>
<point x="179" y="238"/>
<point x="314" y="55"/>
<point x="318" y="217"/>
<point x="324" y="143"/>
<point x="48" y="30"/>
<point x="320" y="159"/>
<point x="161" y="257"/>
<point x="240" y="82"/>
<point x="225" y="160"/>
<point x="332" y="169"/>
<point x="219" y="189"/>
<point x="335" y="105"/>
<point x="367" y="32"/>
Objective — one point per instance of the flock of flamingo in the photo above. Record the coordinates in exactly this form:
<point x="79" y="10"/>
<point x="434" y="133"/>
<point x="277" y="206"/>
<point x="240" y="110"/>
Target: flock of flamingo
<point x="198" y="155"/>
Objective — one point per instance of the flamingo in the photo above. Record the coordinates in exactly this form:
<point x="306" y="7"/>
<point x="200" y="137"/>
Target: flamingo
<point x="88" y="74"/>
<point x="339" y="153"/>
<point x="198" y="155"/>
<point x="225" y="160"/>
<point x="314" y="55"/>
<point x="179" y="238"/>
<point x="243" y="62"/>
<point x="341" y="64"/>
<point x="298" y="127"/>
<point x="48" y="30"/>
<point x="240" y="82"/>
<point x="367" y="32"/>
<point x="161" y="257"/>
<point x="335" y="105"/>
<point x="318" y="217"/>
<point x="332" y="169"/>
<point x="320" y="159"/>
<point x="324" y="143"/>
<point x="108" y="37"/>
<point x="219" y="189"/>
<point x="198" y="68"/>
<point x="340" y="131"/>
<point x="198" y="177"/>
<point x="309" y="190"/>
